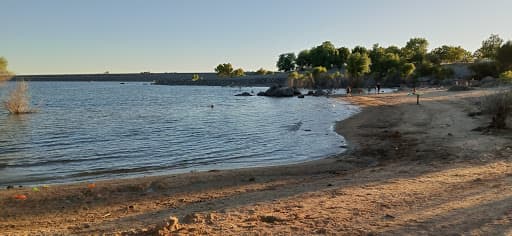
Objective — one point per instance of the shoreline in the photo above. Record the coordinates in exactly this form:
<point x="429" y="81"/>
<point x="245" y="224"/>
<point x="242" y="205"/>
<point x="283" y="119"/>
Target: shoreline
<point x="393" y="145"/>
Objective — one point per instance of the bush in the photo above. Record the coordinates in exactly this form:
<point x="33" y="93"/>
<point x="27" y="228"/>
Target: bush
<point x="18" y="101"/>
<point x="499" y="106"/>
<point x="506" y="76"/>
<point x="484" y="69"/>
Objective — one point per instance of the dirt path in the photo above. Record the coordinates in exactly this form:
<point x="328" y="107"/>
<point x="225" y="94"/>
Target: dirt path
<point x="412" y="169"/>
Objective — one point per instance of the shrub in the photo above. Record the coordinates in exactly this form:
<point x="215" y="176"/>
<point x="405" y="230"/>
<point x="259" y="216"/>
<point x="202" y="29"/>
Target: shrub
<point x="195" y="77"/>
<point x="18" y="101"/>
<point x="506" y="76"/>
<point x="499" y="106"/>
<point x="484" y="69"/>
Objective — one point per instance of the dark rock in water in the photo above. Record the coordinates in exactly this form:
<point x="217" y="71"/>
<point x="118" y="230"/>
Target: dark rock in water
<point x="310" y="93"/>
<point x="319" y="92"/>
<point x="296" y="91"/>
<point x="300" y="96"/>
<point x="307" y="130"/>
<point x="278" y="91"/>
<point x="244" y="94"/>
<point x="261" y="93"/>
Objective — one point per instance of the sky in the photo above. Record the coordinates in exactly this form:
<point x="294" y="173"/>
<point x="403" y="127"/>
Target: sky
<point x="123" y="36"/>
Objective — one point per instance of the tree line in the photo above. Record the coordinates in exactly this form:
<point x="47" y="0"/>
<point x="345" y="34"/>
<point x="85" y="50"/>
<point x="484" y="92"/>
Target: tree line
<point x="393" y="64"/>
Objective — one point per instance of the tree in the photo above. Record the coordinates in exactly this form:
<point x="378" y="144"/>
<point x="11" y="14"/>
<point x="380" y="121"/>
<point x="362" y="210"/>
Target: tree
<point x="325" y="55"/>
<point x="406" y="70"/>
<point x="415" y="50"/>
<point x="393" y="49"/>
<point x="303" y="60"/>
<point x="195" y="77"/>
<point x="489" y="47"/>
<point x="286" y="62"/>
<point x="238" y="73"/>
<point x="504" y="56"/>
<point x="262" y="71"/>
<point x="343" y="54"/>
<point x="224" y="70"/>
<point x="449" y="54"/>
<point x="4" y="73"/>
<point x="360" y="49"/>
<point x="358" y="64"/>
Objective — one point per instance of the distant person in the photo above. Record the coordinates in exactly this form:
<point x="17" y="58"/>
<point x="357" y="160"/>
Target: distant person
<point x="349" y="91"/>
<point x="378" y="88"/>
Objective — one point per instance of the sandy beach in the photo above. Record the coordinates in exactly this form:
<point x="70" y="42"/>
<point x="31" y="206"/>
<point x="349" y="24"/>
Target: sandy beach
<point x="410" y="170"/>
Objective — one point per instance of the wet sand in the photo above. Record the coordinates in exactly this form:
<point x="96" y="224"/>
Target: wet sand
<point x="410" y="169"/>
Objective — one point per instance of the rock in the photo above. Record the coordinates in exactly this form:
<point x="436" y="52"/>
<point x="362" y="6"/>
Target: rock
<point x="278" y="91"/>
<point x="489" y="81"/>
<point x="261" y="93"/>
<point x="310" y="93"/>
<point x="300" y="96"/>
<point x="270" y="219"/>
<point x="319" y="92"/>
<point x="170" y="226"/>
<point x="296" y="91"/>
<point x="210" y="218"/>
<point x="252" y="179"/>
<point x="10" y="187"/>
<point x="244" y="94"/>
<point x="193" y="218"/>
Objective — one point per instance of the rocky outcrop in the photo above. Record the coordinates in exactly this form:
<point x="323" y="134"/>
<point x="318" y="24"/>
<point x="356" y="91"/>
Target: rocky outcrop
<point x="244" y="94"/>
<point x="279" y="91"/>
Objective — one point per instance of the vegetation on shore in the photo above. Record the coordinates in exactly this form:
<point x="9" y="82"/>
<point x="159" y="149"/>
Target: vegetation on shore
<point x="18" y="101"/>
<point x="392" y="64"/>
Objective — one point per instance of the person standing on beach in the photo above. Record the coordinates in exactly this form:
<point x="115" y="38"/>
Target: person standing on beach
<point x="349" y="91"/>
<point x="377" y="88"/>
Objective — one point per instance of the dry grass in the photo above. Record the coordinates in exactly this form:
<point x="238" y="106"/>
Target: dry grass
<point x="19" y="100"/>
<point x="499" y="106"/>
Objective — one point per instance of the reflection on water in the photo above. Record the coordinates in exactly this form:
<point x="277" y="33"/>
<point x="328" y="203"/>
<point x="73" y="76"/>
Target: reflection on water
<point x="100" y="130"/>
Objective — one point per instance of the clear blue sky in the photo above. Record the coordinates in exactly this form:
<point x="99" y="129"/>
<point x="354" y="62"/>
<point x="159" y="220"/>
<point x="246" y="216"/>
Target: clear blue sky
<point x="93" y="36"/>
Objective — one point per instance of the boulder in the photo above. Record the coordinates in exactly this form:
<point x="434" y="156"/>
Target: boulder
<point x="261" y="94"/>
<point x="278" y="91"/>
<point x="319" y="92"/>
<point x="296" y="91"/>
<point x="310" y="93"/>
<point x="244" y="94"/>
<point x="301" y="96"/>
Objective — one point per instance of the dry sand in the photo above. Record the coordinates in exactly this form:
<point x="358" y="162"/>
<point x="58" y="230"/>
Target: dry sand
<point x="410" y="170"/>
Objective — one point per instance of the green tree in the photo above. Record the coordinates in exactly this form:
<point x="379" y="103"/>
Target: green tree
<point x="358" y="64"/>
<point x="415" y="50"/>
<point x="489" y="47"/>
<point x="224" y="70"/>
<point x="262" y="71"/>
<point x="303" y="60"/>
<point x="449" y="54"/>
<point x="195" y="77"/>
<point x="325" y="55"/>
<point x="406" y="70"/>
<point x="286" y="62"/>
<point x="343" y="54"/>
<point x="238" y="73"/>
<point x="504" y="56"/>
<point x="360" y="49"/>
<point x="393" y="49"/>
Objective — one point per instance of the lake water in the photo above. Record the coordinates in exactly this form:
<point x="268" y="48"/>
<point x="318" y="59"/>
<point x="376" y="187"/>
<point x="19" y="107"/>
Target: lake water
<point x="87" y="131"/>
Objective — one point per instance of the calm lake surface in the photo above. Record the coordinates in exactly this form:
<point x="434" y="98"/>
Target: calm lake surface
<point x="87" y="131"/>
